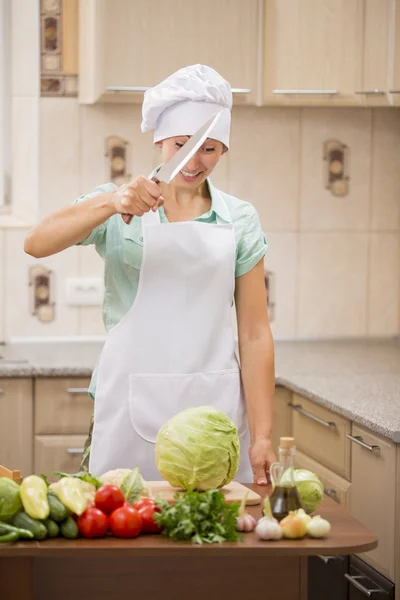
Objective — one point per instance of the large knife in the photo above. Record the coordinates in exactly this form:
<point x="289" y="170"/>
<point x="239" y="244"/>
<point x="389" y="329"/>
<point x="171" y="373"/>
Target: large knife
<point x="171" y="168"/>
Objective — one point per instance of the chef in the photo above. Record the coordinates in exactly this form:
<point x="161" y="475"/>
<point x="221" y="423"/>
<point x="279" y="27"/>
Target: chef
<point x="172" y="274"/>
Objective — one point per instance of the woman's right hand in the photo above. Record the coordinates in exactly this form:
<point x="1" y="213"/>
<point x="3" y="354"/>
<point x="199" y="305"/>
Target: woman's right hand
<point x="137" y="197"/>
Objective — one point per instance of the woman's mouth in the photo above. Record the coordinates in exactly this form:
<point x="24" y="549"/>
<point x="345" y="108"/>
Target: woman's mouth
<point x="187" y="176"/>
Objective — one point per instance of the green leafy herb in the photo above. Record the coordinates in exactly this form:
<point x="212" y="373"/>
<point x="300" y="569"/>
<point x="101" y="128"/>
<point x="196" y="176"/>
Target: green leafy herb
<point x="44" y="477"/>
<point x="199" y="517"/>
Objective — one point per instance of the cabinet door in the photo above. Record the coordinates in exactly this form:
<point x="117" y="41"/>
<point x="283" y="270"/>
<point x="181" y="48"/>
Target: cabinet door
<point x="282" y="417"/>
<point x="372" y="493"/>
<point x="58" y="453"/>
<point x="377" y="48"/>
<point x="16" y="439"/>
<point x="138" y="44"/>
<point x="326" y="577"/>
<point x="335" y="486"/>
<point x="314" y="49"/>
<point x="62" y="405"/>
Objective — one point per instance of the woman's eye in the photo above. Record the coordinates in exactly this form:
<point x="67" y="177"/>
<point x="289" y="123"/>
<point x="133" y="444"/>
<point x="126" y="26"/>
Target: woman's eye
<point x="208" y="150"/>
<point x="178" y="144"/>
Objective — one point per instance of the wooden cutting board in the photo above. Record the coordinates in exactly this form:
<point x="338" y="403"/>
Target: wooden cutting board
<point x="233" y="492"/>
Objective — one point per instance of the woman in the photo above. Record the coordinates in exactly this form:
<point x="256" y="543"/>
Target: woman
<point x="170" y="278"/>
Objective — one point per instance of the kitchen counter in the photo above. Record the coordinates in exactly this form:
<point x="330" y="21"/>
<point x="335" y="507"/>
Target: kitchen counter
<point x="153" y="566"/>
<point x="358" y="379"/>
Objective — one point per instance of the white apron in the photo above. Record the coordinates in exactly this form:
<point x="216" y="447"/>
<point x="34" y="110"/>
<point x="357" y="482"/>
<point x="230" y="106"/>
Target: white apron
<point x="174" y="349"/>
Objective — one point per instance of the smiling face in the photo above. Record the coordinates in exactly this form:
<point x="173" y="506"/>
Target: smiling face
<point x="200" y="166"/>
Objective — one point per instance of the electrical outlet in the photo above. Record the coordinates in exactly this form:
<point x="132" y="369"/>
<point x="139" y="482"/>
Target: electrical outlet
<point x="85" y="291"/>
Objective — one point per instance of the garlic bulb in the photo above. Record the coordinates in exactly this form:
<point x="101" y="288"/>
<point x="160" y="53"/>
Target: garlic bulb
<point x="245" y="522"/>
<point x="318" y="527"/>
<point x="268" y="529"/>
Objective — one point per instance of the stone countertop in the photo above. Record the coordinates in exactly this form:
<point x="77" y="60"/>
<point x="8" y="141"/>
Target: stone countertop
<point x="357" y="379"/>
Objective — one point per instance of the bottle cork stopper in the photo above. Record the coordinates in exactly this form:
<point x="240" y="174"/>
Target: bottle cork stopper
<point x="286" y="442"/>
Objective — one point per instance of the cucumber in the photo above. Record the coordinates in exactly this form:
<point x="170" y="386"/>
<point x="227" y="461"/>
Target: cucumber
<point x="69" y="529"/>
<point x="9" y="537"/>
<point x="23" y="521"/>
<point x="22" y="533"/>
<point x="52" y="528"/>
<point x="58" y="512"/>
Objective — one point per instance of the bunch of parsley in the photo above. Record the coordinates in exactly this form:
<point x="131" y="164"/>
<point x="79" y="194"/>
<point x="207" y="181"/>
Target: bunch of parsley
<point x="199" y="517"/>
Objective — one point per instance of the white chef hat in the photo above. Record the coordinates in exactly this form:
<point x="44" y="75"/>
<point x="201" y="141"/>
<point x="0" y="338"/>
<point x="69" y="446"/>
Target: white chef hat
<point x="184" y="101"/>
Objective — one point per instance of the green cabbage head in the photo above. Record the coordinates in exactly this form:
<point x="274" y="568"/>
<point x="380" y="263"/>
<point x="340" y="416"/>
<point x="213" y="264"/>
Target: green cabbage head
<point x="309" y="486"/>
<point x="198" y="449"/>
<point x="10" y="501"/>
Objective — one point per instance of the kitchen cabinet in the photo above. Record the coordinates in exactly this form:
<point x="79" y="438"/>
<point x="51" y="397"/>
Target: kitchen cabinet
<point x="282" y="417"/>
<point x="321" y="434"/>
<point x="335" y="487"/>
<point x="137" y="44"/>
<point x="62" y="405"/>
<point x="16" y="410"/>
<point x="377" y="51"/>
<point x="372" y="498"/>
<point x="312" y="51"/>
<point x="58" y="453"/>
<point x="364" y="582"/>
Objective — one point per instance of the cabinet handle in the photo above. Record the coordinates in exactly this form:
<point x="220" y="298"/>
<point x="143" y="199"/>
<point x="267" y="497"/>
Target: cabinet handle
<point x="74" y="451"/>
<point x="305" y="92"/>
<point x="358" y="440"/>
<point x="1" y="391"/>
<point x="371" y="92"/>
<point x="298" y="408"/>
<point x="139" y="89"/>
<point x="327" y="559"/>
<point x="353" y="579"/>
<point x="77" y="390"/>
<point x="394" y="91"/>
<point x="332" y="494"/>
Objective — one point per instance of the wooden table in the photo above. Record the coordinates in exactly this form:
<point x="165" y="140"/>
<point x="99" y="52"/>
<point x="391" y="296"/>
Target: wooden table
<point x="151" y="566"/>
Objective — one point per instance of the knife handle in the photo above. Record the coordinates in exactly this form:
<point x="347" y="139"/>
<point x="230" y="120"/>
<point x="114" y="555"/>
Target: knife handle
<point x="128" y="218"/>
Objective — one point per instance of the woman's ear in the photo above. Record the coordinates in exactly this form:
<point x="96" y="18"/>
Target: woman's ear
<point x="158" y="144"/>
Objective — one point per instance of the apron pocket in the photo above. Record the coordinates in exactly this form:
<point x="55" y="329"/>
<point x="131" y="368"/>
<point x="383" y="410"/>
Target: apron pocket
<point x="154" y="399"/>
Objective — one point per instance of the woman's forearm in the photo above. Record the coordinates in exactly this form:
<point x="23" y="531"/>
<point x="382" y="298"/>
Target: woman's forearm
<point x="68" y="226"/>
<point x="258" y="376"/>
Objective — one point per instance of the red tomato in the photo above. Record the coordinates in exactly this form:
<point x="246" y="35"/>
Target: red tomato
<point x="125" y="522"/>
<point x="149" y="525"/>
<point x="143" y="502"/>
<point x="108" y="498"/>
<point x="93" y="523"/>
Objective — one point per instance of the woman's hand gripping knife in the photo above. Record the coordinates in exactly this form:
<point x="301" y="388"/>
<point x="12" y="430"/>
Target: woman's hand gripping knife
<point x="137" y="197"/>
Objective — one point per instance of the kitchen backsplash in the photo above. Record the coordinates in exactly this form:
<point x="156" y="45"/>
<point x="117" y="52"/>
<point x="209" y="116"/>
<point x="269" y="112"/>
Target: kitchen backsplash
<point x="335" y="258"/>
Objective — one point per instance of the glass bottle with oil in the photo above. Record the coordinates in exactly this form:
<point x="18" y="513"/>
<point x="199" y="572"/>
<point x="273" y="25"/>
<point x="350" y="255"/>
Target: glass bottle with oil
<point x="285" y="496"/>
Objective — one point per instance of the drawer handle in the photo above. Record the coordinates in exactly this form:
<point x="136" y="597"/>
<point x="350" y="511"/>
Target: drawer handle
<point x="298" y="408"/>
<point x="77" y="390"/>
<point x="394" y="91"/>
<point x="353" y="579"/>
<point x="74" y="451"/>
<point x="358" y="440"/>
<point x="332" y="494"/>
<point x="1" y="390"/>
<point x="305" y="92"/>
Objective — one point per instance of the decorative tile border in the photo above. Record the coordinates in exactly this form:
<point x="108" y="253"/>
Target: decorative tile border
<point x="53" y="82"/>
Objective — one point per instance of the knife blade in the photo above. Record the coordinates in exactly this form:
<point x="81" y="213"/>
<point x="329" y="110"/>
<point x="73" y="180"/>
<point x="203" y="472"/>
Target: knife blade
<point x="171" y="168"/>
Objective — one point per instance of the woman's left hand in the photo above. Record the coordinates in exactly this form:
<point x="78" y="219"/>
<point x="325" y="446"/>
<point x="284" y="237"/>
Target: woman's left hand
<point x="261" y="456"/>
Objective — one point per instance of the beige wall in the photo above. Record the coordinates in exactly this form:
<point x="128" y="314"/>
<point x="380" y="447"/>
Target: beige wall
<point x="336" y="260"/>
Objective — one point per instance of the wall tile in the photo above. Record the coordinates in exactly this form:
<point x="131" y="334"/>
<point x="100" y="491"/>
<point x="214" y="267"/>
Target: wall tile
<point x="264" y="163"/>
<point x="319" y="209"/>
<point x="25" y="50"/>
<point x="19" y="321"/>
<point x="385" y="211"/>
<point x="384" y="284"/>
<point x="25" y="172"/>
<point x="90" y="317"/>
<point x="59" y="153"/>
<point x="281" y="259"/>
<point x="333" y="271"/>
